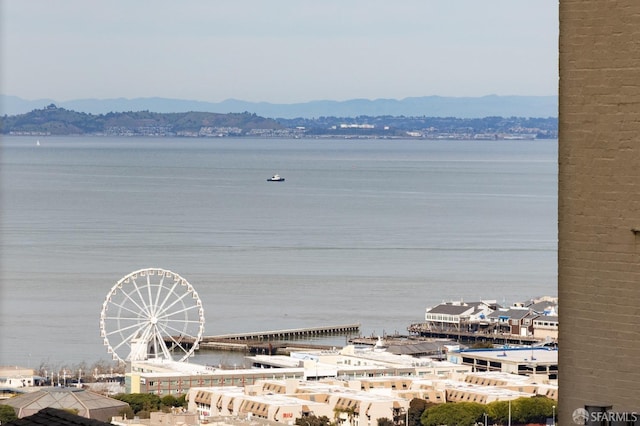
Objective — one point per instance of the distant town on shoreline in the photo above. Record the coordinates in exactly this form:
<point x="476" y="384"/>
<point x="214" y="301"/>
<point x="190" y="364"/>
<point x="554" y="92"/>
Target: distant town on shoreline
<point x="52" y="120"/>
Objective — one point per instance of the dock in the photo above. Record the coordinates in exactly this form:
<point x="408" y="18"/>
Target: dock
<point x="293" y="333"/>
<point x="273" y="341"/>
<point x="418" y="330"/>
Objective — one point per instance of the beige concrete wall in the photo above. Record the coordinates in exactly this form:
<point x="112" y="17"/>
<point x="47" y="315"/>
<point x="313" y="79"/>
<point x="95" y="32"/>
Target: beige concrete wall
<point x="599" y="205"/>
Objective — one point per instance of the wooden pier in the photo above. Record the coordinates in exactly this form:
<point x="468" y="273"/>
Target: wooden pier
<point x="293" y="333"/>
<point x="475" y="338"/>
<point x="274" y="341"/>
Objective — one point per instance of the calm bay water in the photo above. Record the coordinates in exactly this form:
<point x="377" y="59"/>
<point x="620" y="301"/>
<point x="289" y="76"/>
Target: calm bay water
<point x="368" y="231"/>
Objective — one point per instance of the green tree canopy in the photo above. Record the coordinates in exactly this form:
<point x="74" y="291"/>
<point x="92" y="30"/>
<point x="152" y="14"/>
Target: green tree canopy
<point x="384" y="421"/>
<point x="7" y="413"/>
<point x="140" y="401"/>
<point x="417" y="406"/>
<point x="170" y="401"/>
<point x="453" y="414"/>
<point x="523" y="410"/>
<point x="126" y="412"/>
<point x="313" y="421"/>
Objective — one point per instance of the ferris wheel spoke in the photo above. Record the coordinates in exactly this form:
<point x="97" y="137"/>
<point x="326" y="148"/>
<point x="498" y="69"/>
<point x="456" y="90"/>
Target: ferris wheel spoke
<point x="150" y="300"/>
<point x="183" y="333"/>
<point x="143" y="304"/>
<point x="179" y="311"/>
<point x="125" y="328"/>
<point x="141" y="308"/>
<point x="127" y="340"/>
<point x="177" y="335"/>
<point x="180" y="326"/>
<point x="177" y="344"/>
<point x="160" y="307"/>
<point x="160" y="287"/>
<point x="124" y="307"/>
<point x="185" y="328"/>
<point x="159" y="341"/>
<point x="185" y="321"/>
<point x="178" y="300"/>
<point x="137" y="318"/>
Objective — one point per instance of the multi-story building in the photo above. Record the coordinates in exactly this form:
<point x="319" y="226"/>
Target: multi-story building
<point x="517" y="321"/>
<point x="360" y="402"/>
<point x="539" y="362"/>
<point x="599" y="206"/>
<point x="459" y="315"/>
<point x="164" y="377"/>
<point x="546" y="327"/>
<point x="285" y="401"/>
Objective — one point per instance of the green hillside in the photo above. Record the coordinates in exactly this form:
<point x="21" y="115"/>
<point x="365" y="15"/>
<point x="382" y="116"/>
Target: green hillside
<point x="52" y="120"/>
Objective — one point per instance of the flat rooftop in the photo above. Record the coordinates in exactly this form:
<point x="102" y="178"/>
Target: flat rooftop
<point x="514" y="355"/>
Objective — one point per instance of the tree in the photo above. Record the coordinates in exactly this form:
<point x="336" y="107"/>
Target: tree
<point x="170" y="401"/>
<point x="350" y="411"/>
<point x="383" y="421"/>
<point x="453" y="414"/>
<point x="144" y="414"/>
<point x="140" y="401"/>
<point x="417" y="406"/>
<point x="126" y="412"/>
<point x="533" y="410"/>
<point x="523" y="410"/>
<point x="182" y="401"/>
<point x="313" y="421"/>
<point x="498" y="411"/>
<point x="7" y="414"/>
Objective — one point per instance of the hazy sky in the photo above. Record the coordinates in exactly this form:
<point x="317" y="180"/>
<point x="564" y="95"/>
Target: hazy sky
<point x="280" y="51"/>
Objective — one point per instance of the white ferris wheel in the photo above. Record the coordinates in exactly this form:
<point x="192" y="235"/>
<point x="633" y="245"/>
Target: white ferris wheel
<point x="152" y="313"/>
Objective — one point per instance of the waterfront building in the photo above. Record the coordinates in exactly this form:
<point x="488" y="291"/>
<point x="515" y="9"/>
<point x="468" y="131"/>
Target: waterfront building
<point x="487" y="321"/>
<point x="354" y="385"/>
<point x="17" y="377"/>
<point x="540" y="362"/>
<point x="515" y="320"/>
<point x="545" y="305"/>
<point x="352" y="363"/>
<point x="459" y="315"/>
<point x="165" y="377"/>
<point x="546" y="327"/>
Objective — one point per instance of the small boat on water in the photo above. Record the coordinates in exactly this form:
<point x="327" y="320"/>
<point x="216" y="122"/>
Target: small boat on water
<point x="275" y="178"/>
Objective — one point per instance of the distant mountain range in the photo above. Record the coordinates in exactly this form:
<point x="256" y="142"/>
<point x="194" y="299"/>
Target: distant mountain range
<point x="426" y="106"/>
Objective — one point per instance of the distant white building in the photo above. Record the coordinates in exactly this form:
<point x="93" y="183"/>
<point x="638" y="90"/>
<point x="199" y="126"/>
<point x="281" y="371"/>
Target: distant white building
<point x="539" y="362"/>
<point x="546" y="327"/>
<point x="453" y="315"/>
<point x="16" y="377"/>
